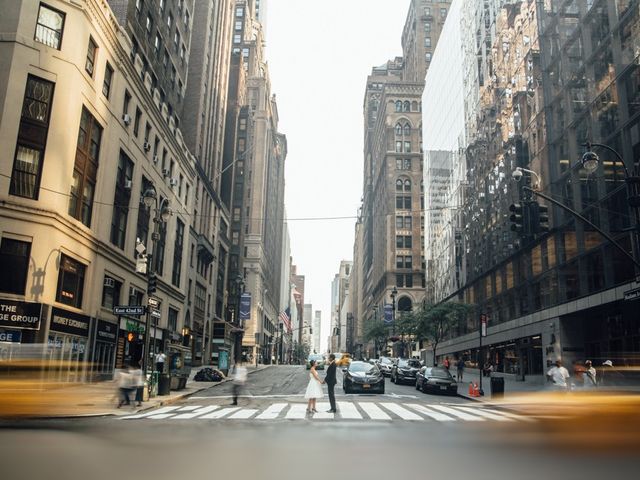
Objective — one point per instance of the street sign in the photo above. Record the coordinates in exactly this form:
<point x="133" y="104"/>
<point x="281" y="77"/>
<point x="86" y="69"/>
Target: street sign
<point x="155" y="313"/>
<point x="632" y="294"/>
<point x="132" y="310"/>
<point x="153" y="302"/>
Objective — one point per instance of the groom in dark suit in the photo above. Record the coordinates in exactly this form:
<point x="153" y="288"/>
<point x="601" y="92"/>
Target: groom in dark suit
<point x="330" y="380"/>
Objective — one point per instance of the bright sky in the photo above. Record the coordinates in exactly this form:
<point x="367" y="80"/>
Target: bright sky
<point x="320" y="53"/>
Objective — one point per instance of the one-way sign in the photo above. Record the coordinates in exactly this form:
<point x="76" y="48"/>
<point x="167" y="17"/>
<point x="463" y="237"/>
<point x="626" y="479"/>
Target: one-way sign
<point x="133" y="310"/>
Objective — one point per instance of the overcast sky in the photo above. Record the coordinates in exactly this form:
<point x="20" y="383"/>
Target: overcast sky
<point x="320" y="53"/>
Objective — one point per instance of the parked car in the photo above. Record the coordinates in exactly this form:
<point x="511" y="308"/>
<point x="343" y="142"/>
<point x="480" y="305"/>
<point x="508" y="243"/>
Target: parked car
<point x="404" y="370"/>
<point x="362" y="377"/>
<point x="385" y="364"/>
<point x="319" y="361"/>
<point x="436" y="380"/>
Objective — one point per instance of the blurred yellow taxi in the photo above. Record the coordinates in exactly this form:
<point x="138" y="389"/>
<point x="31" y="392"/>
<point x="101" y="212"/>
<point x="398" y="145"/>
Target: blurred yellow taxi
<point x="343" y="359"/>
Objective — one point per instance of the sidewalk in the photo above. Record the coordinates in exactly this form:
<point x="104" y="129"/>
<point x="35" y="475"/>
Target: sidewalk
<point x="100" y="399"/>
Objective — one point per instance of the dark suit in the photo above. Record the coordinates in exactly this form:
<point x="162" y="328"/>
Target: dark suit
<point x="330" y="380"/>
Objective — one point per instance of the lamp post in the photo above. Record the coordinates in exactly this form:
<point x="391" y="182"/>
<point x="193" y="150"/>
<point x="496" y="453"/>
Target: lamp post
<point x="161" y="216"/>
<point x="394" y="294"/>
<point x="238" y="324"/>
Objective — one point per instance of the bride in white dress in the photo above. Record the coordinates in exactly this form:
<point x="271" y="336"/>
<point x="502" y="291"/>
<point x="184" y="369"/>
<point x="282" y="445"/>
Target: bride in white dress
<point x="314" y="389"/>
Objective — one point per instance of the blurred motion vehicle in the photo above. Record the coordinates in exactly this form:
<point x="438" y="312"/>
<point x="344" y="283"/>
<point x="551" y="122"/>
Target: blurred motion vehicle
<point x="404" y="370"/>
<point x="319" y="361"/>
<point x="436" y="380"/>
<point x="362" y="377"/>
<point x="385" y="364"/>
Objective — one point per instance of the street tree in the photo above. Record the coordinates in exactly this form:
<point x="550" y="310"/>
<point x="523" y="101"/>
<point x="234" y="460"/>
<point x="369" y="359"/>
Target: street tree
<point x="376" y="331"/>
<point x="434" y="322"/>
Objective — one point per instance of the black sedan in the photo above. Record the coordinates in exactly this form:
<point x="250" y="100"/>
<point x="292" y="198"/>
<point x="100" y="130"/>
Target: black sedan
<point x="436" y="380"/>
<point x="362" y="377"/>
<point x="405" y="371"/>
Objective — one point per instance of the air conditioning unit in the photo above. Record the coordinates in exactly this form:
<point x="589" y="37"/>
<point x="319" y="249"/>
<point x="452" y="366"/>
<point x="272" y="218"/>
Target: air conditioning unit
<point x="147" y="146"/>
<point x="128" y="184"/>
<point x="165" y="172"/>
<point x="173" y="182"/>
<point x="109" y="282"/>
<point x="155" y="159"/>
<point x="126" y="118"/>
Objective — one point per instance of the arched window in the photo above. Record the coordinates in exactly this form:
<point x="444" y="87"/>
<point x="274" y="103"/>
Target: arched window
<point x="414" y="106"/>
<point x="407" y="185"/>
<point x="407" y="129"/>
<point x="398" y="106"/>
<point x="405" y="304"/>
<point x="399" y="185"/>
<point x="398" y="129"/>
<point x="406" y="106"/>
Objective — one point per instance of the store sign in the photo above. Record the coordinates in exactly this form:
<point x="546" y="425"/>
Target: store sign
<point x="71" y="323"/>
<point x="11" y="336"/>
<point x="20" y="314"/>
<point x="106" y="332"/>
<point x="134" y="310"/>
<point x="131" y="326"/>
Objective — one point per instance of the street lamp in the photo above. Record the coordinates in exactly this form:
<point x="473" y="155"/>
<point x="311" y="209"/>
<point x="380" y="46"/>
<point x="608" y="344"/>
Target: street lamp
<point x="238" y="327"/>
<point x="162" y="215"/>
<point x="394" y="293"/>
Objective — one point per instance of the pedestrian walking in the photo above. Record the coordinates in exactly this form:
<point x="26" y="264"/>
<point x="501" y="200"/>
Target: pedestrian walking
<point x="137" y="382"/>
<point x="460" y="369"/>
<point x="314" y="388"/>
<point x="558" y="375"/>
<point x="160" y="359"/>
<point x="446" y="364"/>
<point x="589" y="375"/>
<point x="330" y="380"/>
<point x="123" y="380"/>
<point x="239" y="373"/>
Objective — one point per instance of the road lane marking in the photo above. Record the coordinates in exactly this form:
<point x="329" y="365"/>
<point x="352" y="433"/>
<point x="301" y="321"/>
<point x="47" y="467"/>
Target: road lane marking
<point x="189" y="408"/>
<point x="401" y="411"/>
<point x="220" y="413"/>
<point x="322" y="414"/>
<point x="440" y="417"/>
<point x="160" y="416"/>
<point x="490" y="415"/>
<point x="272" y="412"/>
<point x="349" y="411"/>
<point x="374" y="411"/>
<point x="520" y="418"/>
<point x="297" y="411"/>
<point x="148" y="414"/>
<point x="458" y="413"/>
<point x="244" y="414"/>
<point x="195" y="413"/>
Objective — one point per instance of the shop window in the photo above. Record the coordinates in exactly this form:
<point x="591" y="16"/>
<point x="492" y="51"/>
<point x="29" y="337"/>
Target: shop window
<point x="70" y="282"/>
<point x="49" y="26"/>
<point x="14" y="258"/>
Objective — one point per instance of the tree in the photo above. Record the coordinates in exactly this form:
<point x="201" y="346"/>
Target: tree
<point x="434" y="322"/>
<point x="377" y="331"/>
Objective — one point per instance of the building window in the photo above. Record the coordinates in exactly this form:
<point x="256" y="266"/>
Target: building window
<point x="403" y="202"/>
<point x="14" y="259"/>
<point x="398" y="146"/>
<point x="427" y="56"/>
<point x="139" y="7"/>
<point x="172" y="321"/>
<point x="121" y="200"/>
<point x="406" y="107"/>
<point x="32" y="138"/>
<point x="142" y="224"/>
<point x="200" y="300"/>
<point x="108" y="78"/>
<point x="407" y="130"/>
<point x="176" y="39"/>
<point x="239" y="12"/>
<point x="404" y="261"/>
<point x="170" y="20"/>
<point x="237" y="38"/>
<point x="427" y="25"/>
<point x="156" y="44"/>
<point x="407" y="147"/>
<point x="70" y="282"/>
<point x="427" y="42"/>
<point x="238" y="25"/>
<point x="127" y="101"/>
<point x="149" y="24"/>
<point x="162" y="242"/>
<point x="49" y="26"/>
<point x="177" y="253"/>
<point x="404" y="241"/>
<point x="136" y="122"/>
<point x="85" y="171"/>
<point x="111" y="290"/>
<point x="443" y="13"/>
<point x="91" y="57"/>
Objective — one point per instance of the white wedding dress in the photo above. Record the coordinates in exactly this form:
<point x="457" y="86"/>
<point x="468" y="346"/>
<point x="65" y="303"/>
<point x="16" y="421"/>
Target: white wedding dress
<point x="314" y="389"/>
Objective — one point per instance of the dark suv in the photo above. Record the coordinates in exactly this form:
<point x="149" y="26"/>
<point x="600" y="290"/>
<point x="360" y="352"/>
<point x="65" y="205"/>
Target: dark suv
<point x="404" y="371"/>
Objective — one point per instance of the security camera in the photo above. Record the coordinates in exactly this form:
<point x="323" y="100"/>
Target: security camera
<point x="517" y="174"/>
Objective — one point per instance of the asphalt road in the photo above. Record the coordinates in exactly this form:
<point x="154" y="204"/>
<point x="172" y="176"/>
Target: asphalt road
<point x="158" y="446"/>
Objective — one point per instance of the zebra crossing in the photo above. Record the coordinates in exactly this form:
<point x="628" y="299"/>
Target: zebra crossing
<point x="356" y="411"/>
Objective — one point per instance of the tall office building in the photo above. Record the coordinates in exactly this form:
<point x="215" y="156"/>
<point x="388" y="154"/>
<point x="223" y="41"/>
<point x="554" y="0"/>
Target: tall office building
<point x="317" y="324"/>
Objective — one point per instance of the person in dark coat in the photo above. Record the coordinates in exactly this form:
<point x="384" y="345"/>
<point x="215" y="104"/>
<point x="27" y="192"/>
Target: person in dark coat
<point x="330" y="380"/>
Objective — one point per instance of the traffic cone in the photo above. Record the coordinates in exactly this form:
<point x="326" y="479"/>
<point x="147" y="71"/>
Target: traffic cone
<point x="471" y="389"/>
<point x="476" y="390"/>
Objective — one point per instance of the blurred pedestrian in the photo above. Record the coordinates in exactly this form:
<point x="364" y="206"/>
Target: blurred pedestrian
<point x="558" y="375"/>
<point x="137" y="382"/>
<point x="314" y="388"/>
<point x="446" y="364"/>
<point x="589" y="375"/>
<point x="123" y="380"/>
<point x="460" y="369"/>
<point x="240" y="374"/>
<point x="330" y="380"/>
<point x="160" y="359"/>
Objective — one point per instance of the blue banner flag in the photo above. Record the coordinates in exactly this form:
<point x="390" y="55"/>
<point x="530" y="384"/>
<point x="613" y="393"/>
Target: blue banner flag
<point x="245" y="306"/>
<point x="388" y="314"/>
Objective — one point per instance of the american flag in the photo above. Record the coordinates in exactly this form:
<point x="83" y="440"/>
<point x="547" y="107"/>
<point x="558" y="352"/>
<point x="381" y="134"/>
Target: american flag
<point x="286" y="319"/>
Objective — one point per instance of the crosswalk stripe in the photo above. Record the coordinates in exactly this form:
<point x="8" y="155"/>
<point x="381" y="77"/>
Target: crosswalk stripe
<point x="272" y="412"/>
<point x="440" y="417"/>
<point x="401" y="412"/>
<point x="244" y="414"/>
<point x="195" y="413"/>
<point x="458" y="413"/>
<point x="148" y="414"/>
<point x="160" y="416"/>
<point x="520" y="418"/>
<point x="322" y="414"/>
<point x="374" y="411"/>
<point x="348" y="411"/>
<point x="220" y="413"/>
<point x="489" y="415"/>
<point x="297" y="411"/>
<point x="189" y="408"/>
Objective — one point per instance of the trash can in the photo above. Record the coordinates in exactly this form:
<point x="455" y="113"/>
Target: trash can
<point x="497" y="387"/>
<point x="164" y="384"/>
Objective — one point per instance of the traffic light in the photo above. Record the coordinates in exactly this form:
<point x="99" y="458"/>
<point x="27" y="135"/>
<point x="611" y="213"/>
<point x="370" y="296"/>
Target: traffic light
<point x="152" y="284"/>
<point x="519" y="218"/>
